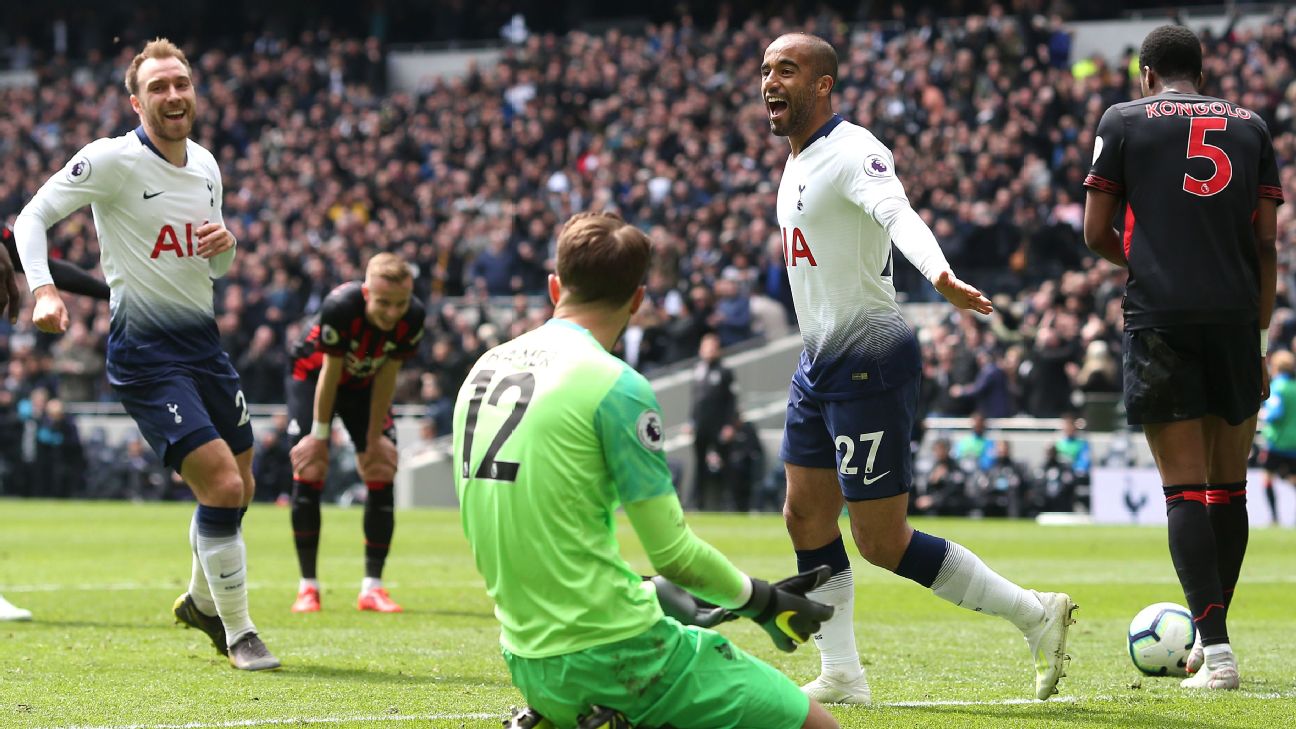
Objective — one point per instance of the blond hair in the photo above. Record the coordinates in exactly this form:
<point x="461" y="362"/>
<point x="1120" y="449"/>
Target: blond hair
<point x="389" y="267"/>
<point x="157" y="48"/>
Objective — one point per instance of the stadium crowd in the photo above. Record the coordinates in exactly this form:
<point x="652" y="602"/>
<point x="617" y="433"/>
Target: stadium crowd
<point x="990" y="118"/>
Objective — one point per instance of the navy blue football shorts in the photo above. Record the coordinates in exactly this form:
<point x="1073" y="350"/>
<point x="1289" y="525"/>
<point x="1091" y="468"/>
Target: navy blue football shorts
<point x="181" y="406"/>
<point x="865" y="439"/>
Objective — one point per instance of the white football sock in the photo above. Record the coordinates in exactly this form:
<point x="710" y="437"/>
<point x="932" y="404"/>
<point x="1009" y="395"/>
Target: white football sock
<point x="304" y="583"/>
<point x="1217" y="654"/>
<point x="836" y="637"/>
<point x="967" y="582"/>
<point x="224" y="561"/>
<point x="370" y="583"/>
<point x="198" y="588"/>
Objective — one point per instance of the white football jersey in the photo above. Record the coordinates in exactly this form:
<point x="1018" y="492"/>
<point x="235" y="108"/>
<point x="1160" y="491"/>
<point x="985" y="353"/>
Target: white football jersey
<point x="146" y="211"/>
<point x="839" y="262"/>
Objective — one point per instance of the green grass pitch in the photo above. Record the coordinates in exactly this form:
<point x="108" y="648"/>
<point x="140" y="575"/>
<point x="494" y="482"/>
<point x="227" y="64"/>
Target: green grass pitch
<point x="103" y="650"/>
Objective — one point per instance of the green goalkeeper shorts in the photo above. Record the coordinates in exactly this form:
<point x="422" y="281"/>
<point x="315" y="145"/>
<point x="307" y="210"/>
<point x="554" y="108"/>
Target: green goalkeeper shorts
<point x="669" y="675"/>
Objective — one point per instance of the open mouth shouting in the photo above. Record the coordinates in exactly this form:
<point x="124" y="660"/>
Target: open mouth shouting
<point x="777" y="106"/>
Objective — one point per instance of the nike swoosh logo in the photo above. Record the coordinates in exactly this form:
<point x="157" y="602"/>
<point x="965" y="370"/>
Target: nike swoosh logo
<point x="150" y="196"/>
<point x="869" y="481"/>
<point x="784" y="622"/>
<point x="224" y="576"/>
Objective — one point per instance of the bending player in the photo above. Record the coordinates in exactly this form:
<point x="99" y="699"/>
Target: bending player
<point x="854" y="394"/>
<point x="551" y="433"/>
<point x="346" y="364"/>
<point x="156" y="197"/>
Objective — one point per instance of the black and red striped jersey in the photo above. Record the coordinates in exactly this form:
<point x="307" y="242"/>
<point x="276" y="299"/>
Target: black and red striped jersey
<point x="341" y="329"/>
<point x="1191" y="169"/>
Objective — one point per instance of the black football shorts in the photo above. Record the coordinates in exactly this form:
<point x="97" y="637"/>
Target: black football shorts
<point x="1189" y="371"/>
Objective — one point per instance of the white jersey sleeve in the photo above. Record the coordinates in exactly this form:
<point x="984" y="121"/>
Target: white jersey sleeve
<point x="866" y="176"/>
<point x="93" y="174"/>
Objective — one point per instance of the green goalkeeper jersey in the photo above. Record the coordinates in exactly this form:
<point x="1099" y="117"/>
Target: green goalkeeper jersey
<point x="551" y="433"/>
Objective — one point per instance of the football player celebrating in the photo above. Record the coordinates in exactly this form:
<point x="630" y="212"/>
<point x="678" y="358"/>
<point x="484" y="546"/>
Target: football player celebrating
<point x="156" y="197"/>
<point x="346" y="364"/>
<point x="854" y="393"/>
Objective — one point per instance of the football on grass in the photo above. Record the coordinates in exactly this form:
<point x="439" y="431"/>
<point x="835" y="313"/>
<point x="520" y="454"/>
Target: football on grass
<point x="1160" y="638"/>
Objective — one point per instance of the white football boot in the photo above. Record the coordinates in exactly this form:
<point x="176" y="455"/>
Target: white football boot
<point x="11" y="612"/>
<point x="1220" y="674"/>
<point x="829" y="689"/>
<point x="1047" y="641"/>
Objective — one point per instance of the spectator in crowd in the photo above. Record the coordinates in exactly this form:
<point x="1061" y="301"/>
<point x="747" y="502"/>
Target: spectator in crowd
<point x="715" y="406"/>
<point x="945" y="487"/>
<point x="742" y="458"/>
<point x="440" y="407"/>
<point x="271" y="465"/>
<point x="261" y="369"/>
<point x="975" y="450"/>
<point x="137" y="475"/>
<point x="1002" y="488"/>
<point x="989" y="391"/>
<point x="60" y="461"/>
<point x="1056" y="483"/>
<point x="1073" y="449"/>
<point x="323" y="168"/>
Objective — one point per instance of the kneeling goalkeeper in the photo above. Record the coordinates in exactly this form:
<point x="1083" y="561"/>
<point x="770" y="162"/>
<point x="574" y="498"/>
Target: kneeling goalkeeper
<point x="551" y="433"/>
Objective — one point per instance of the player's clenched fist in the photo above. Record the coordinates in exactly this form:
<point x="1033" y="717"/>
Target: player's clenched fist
<point x="50" y="315"/>
<point x="783" y="610"/>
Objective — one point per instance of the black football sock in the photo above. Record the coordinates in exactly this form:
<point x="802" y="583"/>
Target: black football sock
<point x="1192" y="549"/>
<point x="379" y="524"/>
<point x="306" y="524"/>
<point x="1226" y="505"/>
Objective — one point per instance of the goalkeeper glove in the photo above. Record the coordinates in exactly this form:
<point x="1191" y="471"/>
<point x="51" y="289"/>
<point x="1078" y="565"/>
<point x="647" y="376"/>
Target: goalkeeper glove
<point x="783" y="610"/>
<point x="680" y="604"/>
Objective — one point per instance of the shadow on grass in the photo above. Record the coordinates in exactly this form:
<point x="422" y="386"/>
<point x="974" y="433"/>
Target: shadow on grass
<point x="393" y="678"/>
<point x="487" y="615"/>
<point x="1124" y="716"/>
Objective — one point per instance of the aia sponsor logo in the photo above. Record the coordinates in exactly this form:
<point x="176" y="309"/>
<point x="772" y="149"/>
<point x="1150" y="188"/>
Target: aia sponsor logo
<point x="168" y="240"/>
<point x="797" y="249"/>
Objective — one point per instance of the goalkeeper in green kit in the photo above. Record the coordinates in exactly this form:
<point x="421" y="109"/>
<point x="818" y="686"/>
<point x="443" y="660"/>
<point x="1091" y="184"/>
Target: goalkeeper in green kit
<point x="551" y="434"/>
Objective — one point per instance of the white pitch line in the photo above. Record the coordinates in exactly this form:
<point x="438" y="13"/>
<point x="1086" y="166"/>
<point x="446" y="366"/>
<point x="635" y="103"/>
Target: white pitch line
<point x="455" y="717"/>
<point x="294" y="722"/>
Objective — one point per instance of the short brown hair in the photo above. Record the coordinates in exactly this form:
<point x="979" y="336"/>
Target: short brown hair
<point x="602" y="258"/>
<point x="156" y="48"/>
<point x="389" y="267"/>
